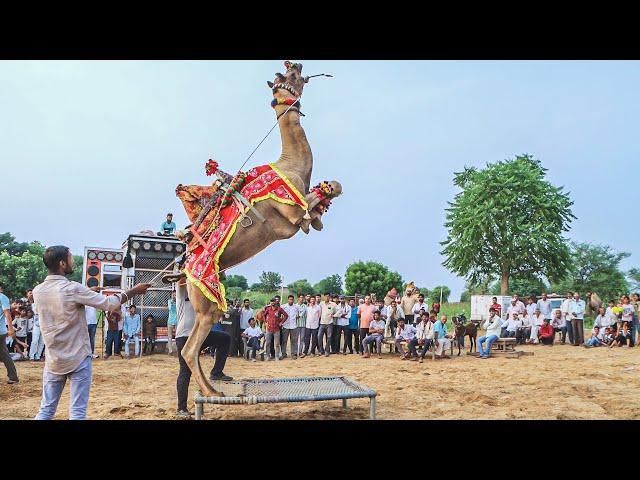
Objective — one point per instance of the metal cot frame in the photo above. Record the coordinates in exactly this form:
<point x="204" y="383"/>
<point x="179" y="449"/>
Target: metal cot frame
<point x="285" y="390"/>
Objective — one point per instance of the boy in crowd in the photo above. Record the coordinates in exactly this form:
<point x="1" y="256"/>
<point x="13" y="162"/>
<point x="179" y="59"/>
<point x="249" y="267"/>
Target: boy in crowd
<point x="404" y="333"/>
<point x="624" y="337"/>
<point x="609" y="336"/>
<point x="376" y="335"/>
<point x="113" y="334"/>
<point x="596" y="339"/>
<point x="149" y="333"/>
<point x="21" y="326"/>
<point x="253" y="334"/>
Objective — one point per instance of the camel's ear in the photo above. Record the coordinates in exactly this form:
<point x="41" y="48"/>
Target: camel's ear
<point x="306" y="79"/>
<point x="270" y="84"/>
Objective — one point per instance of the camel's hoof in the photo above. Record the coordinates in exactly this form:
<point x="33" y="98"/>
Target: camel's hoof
<point x="317" y="224"/>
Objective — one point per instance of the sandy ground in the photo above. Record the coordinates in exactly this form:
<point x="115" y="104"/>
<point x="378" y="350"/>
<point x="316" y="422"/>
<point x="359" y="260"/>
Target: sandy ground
<point x="559" y="382"/>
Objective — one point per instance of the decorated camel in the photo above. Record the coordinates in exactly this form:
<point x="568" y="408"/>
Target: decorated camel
<point x="233" y="223"/>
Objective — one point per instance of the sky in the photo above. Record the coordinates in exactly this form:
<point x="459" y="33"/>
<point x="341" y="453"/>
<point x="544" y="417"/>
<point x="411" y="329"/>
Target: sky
<point x="91" y="151"/>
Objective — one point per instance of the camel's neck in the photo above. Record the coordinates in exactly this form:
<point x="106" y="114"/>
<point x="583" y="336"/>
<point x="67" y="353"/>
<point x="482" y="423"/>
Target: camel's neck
<point x="296" y="158"/>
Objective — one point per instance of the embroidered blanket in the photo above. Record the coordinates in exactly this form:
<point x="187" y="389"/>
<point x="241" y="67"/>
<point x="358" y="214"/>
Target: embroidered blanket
<point x="202" y="266"/>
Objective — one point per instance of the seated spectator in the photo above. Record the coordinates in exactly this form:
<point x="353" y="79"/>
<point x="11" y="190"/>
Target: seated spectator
<point x="596" y="339"/>
<point x="168" y="228"/>
<point x="611" y="315"/>
<point x="559" y="325"/>
<point x="510" y="327"/>
<point x="524" y="332"/>
<point x="492" y="327"/>
<point x="376" y="335"/>
<point x="546" y="333"/>
<point x="602" y="320"/>
<point x="423" y="337"/>
<point x="404" y="333"/>
<point x="149" y="332"/>
<point x="609" y="336"/>
<point x="253" y="334"/>
<point x="623" y="339"/>
<point x="441" y="337"/>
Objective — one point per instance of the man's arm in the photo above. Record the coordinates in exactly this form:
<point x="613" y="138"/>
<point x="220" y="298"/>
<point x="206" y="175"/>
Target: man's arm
<point x="86" y="296"/>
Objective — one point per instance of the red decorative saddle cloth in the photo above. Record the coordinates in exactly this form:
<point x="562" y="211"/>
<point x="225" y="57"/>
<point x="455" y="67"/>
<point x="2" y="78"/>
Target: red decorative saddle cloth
<point x="202" y="267"/>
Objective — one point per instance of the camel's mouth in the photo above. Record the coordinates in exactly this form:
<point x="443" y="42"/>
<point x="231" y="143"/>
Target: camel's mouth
<point x="285" y="86"/>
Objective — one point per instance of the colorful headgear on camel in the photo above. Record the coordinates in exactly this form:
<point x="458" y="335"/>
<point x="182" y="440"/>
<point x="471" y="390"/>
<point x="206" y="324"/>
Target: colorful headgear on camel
<point x="410" y="286"/>
<point x="211" y="167"/>
<point x="285" y="101"/>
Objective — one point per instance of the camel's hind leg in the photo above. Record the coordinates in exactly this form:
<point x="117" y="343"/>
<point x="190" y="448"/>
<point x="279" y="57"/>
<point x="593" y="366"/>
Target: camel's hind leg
<point x="206" y="315"/>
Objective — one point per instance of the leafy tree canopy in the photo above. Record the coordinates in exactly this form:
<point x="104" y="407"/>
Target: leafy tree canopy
<point x="371" y="277"/>
<point x="507" y="220"/>
<point x="301" y="287"/>
<point x="331" y="284"/>
<point x="270" y="281"/>
<point x="238" y="281"/>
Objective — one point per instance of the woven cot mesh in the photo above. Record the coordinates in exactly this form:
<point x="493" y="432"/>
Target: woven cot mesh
<point x="290" y="389"/>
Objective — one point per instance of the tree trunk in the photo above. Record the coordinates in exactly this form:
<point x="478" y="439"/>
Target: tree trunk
<point x="504" y="283"/>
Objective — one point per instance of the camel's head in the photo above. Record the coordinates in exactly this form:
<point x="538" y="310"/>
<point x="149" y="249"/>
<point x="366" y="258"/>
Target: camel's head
<point x="410" y="289"/>
<point x="290" y="84"/>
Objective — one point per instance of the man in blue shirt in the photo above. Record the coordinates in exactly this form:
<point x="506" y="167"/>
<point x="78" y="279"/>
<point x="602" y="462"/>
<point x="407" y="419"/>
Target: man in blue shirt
<point x="6" y="328"/>
<point x="353" y="332"/>
<point x="130" y="330"/>
<point x="441" y="337"/>
<point x="576" y="312"/>
<point x="169" y="227"/>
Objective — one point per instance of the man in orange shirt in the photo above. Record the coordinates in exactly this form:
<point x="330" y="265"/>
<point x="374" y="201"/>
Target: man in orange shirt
<point x="365" y="314"/>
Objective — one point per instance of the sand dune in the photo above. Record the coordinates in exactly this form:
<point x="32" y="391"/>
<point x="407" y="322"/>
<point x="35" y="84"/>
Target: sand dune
<point x="559" y="382"/>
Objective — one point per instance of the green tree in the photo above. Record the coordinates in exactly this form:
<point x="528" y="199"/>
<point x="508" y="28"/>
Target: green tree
<point x="8" y="244"/>
<point x="371" y="277"/>
<point x="270" y="281"/>
<point x="301" y="286"/>
<point x="523" y="285"/>
<point x="238" y="281"/>
<point x="507" y="220"/>
<point x="434" y="294"/>
<point x="331" y="284"/>
<point x="634" y="276"/>
<point x="594" y="268"/>
<point x="19" y="273"/>
<point x="233" y="293"/>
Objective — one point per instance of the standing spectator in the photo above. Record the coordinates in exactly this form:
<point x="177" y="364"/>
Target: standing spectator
<point x="394" y="314"/>
<point x="421" y="305"/>
<point x="560" y="325"/>
<point x="301" y="323"/>
<point x="441" y="337"/>
<point x="610" y="314"/>
<point x="30" y="321"/>
<point x="566" y="315"/>
<point x="6" y="330"/>
<point x="37" y="344"/>
<point x="342" y="315"/>
<point x="253" y="335"/>
<point x="423" y="337"/>
<point x="217" y="340"/>
<point x="576" y="308"/>
<point x="90" y="314"/>
<point x="172" y="321"/>
<point x="375" y="335"/>
<point x="596" y="339"/>
<point x="274" y="317"/>
<point x="245" y="314"/>
<point x="314" y="312"/>
<point x="61" y="309"/>
<point x="436" y="307"/>
<point x="21" y="324"/>
<point x="512" y="310"/>
<point x="544" y="304"/>
<point x="496" y="306"/>
<point x="326" y="324"/>
<point x="546" y="333"/>
<point x="131" y="329"/>
<point x="149" y="333"/>
<point x="530" y="309"/>
<point x="405" y="333"/>
<point x="113" y="334"/>
<point x="635" y="325"/>
<point x="290" y="328"/>
<point x="365" y="314"/>
<point x="168" y="227"/>
<point x="492" y="327"/>
<point x="519" y="303"/>
<point x="353" y="332"/>
<point x="628" y="312"/>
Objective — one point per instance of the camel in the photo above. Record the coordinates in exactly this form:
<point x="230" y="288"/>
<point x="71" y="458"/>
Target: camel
<point x="461" y="330"/>
<point x="593" y="303"/>
<point x="282" y="221"/>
